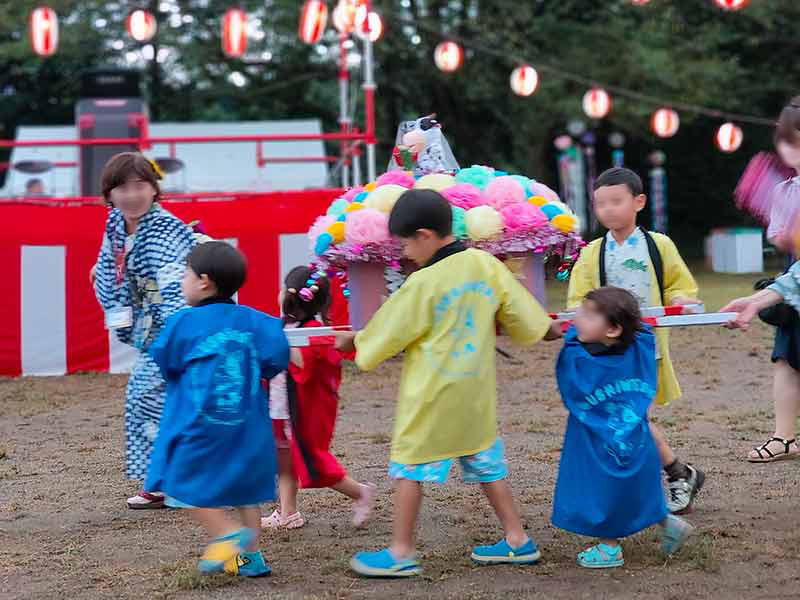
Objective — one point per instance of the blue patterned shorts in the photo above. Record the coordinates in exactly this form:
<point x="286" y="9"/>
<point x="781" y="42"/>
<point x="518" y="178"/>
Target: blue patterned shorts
<point x="483" y="467"/>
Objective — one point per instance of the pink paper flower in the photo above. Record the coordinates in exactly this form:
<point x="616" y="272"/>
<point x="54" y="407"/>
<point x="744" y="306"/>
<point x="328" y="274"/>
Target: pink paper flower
<point x="396" y="178"/>
<point x="464" y="195"/>
<point x="523" y="217"/>
<point x="503" y="191"/>
<point x="367" y="226"/>
<point x="319" y="227"/>
<point x="540" y="189"/>
<point x="352" y="193"/>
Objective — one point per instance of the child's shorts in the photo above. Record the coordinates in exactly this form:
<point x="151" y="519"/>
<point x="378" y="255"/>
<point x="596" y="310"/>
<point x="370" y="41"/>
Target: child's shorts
<point x="483" y="467"/>
<point x="281" y="429"/>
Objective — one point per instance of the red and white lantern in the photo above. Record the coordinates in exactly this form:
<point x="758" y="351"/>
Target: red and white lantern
<point x="448" y="56"/>
<point x="524" y="80"/>
<point x="729" y="137"/>
<point x="375" y="24"/>
<point x="665" y="122"/>
<point x="597" y="103"/>
<point x="141" y="25"/>
<point x="44" y="31"/>
<point x="732" y="4"/>
<point x="234" y="32"/>
<point x="313" y="20"/>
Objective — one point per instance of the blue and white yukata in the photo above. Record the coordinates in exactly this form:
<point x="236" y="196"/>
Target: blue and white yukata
<point x="143" y="272"/>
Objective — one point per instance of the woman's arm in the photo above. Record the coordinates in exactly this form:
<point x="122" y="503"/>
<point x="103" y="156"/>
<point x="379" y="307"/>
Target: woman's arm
<point x="749" y="306"/>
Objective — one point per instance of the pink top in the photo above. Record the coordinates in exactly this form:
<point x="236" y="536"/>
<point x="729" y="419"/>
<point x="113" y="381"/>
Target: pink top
<point x="784" y="209"/>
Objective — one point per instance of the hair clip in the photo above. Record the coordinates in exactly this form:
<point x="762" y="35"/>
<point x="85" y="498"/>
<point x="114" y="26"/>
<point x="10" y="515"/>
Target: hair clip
<point x="156" y="168"/>
<point x="306" y="294"/>
<point x="291" y="290"/>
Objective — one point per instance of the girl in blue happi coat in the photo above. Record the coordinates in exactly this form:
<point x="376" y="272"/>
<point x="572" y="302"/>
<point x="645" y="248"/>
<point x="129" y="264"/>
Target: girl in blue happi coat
<point x="215" y="447"/>
<point x="609" y="481"/>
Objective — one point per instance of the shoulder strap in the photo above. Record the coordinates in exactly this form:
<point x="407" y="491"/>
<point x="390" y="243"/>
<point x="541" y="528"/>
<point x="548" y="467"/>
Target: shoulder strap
<point x="655" y="258"/>
<point x="603" y="261"/>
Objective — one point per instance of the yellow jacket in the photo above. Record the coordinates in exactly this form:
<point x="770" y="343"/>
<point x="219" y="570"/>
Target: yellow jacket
<point x="678" y="281"/>
<point x="444" y="318"/>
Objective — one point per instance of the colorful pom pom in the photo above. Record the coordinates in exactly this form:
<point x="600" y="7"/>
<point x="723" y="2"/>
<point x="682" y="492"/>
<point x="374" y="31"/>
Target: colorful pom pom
<point x="459" y="222"/>
<point x="502" y="191"/>
<point x="476" y="175"/>
<point x="370" y="187"/>
<point x="361" y="197"/>
<point x="484" y="223"/>
<point x="342" y="218"/>
<point x="564" y="223"/>
<point x="435" y="181"/>
<point x="318" y="228"/>
<point x="354" y="207"/>
<point x="523" y="217"/>
<point x="525" y="182"/>
<point x="540" y="189"/>
<point x="551" y="210"/>
<point x="464" y="195"/>
<point x="338" y="207"/>
<point x="384" y="197"/>
<point x="337" y="232"/>
<point x="352" y="193"/>
<point x="538" y="200"/>
<point x="401" y="178"/>
<point x="323" y="242"/>
<point x="368" y="226"/>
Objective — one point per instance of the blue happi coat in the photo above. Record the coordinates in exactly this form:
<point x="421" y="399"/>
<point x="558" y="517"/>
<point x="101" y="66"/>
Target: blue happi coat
<point x="609" y="480"/>
<point x="143" y="272"/>
<point x="215" y="446"/>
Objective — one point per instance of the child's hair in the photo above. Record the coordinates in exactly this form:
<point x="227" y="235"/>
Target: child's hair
<point x="421" y="209"/>
<point x="125" y="166"/>
<point x="620" y="176"/>
<point x="222" y="263"/>
<point x="788" y="128"/>
<point x="306" y="295"/>
<point x="620" y="308"/>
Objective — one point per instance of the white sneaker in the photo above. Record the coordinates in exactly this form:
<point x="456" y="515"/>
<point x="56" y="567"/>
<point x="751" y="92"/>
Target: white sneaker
<point x="362" y="508"/>
<point x="683" y="491"/>
<point x="145" y="500"/>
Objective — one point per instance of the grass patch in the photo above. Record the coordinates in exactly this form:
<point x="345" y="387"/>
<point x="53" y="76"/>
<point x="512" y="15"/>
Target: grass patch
<point x="184" y="577"/>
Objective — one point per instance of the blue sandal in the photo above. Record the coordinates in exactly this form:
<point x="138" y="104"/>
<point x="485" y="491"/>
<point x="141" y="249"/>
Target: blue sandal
<point x="601" y="556"/>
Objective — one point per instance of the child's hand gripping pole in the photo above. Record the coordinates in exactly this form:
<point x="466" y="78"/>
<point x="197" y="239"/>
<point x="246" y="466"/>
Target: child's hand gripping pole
<point x="669" y="316"/>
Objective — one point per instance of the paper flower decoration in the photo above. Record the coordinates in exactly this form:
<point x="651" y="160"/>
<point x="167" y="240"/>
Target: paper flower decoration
<point x="319" y="227"/>
<point x="525" y="182"/>
<point x="464" y="195"/>
<point x="459" y="222"/>
<point x="551" y="210"/>
<point x="502" y="191"/>
<point x="538" y="200"/>
<point x="370" y="187"/>
<point x="337" y="232"/>
<point x="522" y="217"/>
<point x="564" y="223"/>
<point x="367" y="226"/>
<point x="338" y="207"/>
<point x="350" y="194"/>
<point x="396" y="178"/>
<point x="540" y="189"/>
<point x="476" y="175"/>
<point x="323" y="242"/>
<point x="484" y="223"/>
<point x="435" y="181"/>
<point x="354" y="207"/>
<point x="384" y="197"/>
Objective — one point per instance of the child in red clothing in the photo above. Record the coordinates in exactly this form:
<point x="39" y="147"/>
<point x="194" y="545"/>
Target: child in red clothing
<point x="303" y="406"/>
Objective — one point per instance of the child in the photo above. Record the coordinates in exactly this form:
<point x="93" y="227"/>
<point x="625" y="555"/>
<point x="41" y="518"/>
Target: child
<point x="609" y="483"/>
<point x="649" y="266"/>
<point x="443" y="318"/>
<point x="303" y="407"/>
<point x="215" y="447"/>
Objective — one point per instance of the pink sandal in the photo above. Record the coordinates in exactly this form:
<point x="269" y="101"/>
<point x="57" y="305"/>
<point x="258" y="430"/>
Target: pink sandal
<point x="145" y="500"/>
<point x="276" y="521"/>
<point x="362" y="508"/>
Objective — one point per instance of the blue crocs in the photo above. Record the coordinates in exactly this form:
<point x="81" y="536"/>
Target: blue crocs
<point x="248" y="564"/>
<point x="601" y="556"/>
<point x="675" y="533"/>
<point x="383" y="564"/>
<point x="223" y="549"/>
<point x="503" y="553"/>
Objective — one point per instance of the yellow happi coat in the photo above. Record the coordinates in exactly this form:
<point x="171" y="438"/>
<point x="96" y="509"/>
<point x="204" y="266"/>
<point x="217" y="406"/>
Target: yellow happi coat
<point x="678" y="282"/>
<point x="444" y="318"/>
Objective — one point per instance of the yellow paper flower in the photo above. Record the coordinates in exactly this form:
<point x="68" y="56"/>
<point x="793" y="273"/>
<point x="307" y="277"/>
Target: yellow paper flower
<point x="156" y="168"/>
<point x="370" y="187"/>
<point x="435" y="181"/>
<point x="384" y="197"/>
<point x="538" y="201"/>
<point x="565" y="223"/>
<point x="484" y="223"/>
<point x="337" y="232"/>
<point x="354" y="207"/>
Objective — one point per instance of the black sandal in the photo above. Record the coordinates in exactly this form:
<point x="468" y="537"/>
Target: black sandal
<point x="765" y="455"/>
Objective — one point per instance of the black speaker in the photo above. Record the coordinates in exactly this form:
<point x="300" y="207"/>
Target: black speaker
<point x="111" y="83"/>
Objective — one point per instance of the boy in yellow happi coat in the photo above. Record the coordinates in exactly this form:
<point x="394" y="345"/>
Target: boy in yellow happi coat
<point x="649" y="266"/>
<point x="444" y="318"/>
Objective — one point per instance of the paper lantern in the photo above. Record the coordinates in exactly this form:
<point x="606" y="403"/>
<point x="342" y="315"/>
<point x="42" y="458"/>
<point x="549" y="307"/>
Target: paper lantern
<point x="665" y="122"/>
<point x="448" y="56"/>
<point x="524" y="80"/>
<point x="731" y="4"/>
<point x="44" y="31"/>
<point x="729" y="137"/>
<point x="313" y="20"/>
<point x="141" y="25"/>
<point x="375" y="24"/>
<point x="234" y="32"/>
<point x="597" y="103"/>
<point x="344" y="15"/>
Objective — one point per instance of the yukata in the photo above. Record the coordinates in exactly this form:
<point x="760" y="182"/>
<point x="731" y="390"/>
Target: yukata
<point x="678" y="282"/>
<point x="609" y="480"/>
<point x="444" y="317"/>
<point x="143" y="272"/>
<point x="215" y="447"/>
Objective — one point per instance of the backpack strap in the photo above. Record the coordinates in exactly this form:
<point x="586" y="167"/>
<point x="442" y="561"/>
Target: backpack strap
<point x="658" y="263"/>
<point x="603" y="262"/>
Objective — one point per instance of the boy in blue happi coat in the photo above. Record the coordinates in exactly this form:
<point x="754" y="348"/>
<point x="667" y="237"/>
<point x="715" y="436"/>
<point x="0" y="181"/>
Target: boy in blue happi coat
<point x="609" y="480"/>
<point x="215" y="447"/>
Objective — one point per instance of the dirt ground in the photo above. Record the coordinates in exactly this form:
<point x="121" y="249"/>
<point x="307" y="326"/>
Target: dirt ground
<point x="65" y="530"/>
